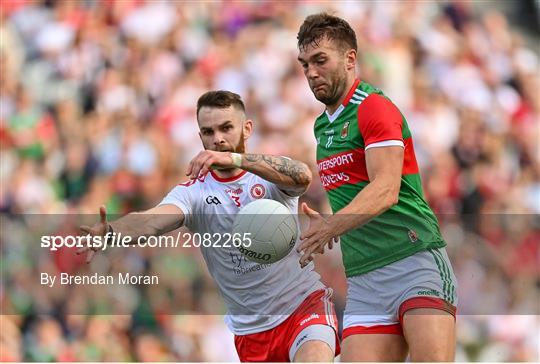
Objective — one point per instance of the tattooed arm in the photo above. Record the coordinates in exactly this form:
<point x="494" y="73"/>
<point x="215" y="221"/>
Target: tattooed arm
<point x="291" y="176"/>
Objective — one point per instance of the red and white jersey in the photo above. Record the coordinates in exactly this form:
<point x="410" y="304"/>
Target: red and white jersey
<point x="258" y="296"/>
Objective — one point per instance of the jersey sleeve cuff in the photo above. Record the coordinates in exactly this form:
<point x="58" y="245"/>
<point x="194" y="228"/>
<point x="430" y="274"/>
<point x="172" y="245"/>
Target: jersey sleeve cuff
<point x="385" y="143"/>
<point x="181" y="206"/>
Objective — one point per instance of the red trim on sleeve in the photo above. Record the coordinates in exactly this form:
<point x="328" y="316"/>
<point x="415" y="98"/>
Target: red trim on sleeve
<point x="192" y="181"/>
<point x="378" y="120"/>
<point x="392" y="329"/>
<point x="426" y="302"/>
<point x="351" y="92"/>
<point x="187" y="183"/>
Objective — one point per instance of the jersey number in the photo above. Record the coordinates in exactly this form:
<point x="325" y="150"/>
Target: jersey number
<point x="236" y="200"/>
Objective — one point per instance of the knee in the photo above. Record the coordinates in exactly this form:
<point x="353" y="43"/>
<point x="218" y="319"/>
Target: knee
<point x="431" y="355"/>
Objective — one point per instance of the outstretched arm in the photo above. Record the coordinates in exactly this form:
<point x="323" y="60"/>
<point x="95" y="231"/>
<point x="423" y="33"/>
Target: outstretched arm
<point x="291" y="176"/>
<point x="155" y="221"/>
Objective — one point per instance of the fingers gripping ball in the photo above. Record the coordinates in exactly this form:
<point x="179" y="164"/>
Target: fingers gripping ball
<point x="271" y="227"/>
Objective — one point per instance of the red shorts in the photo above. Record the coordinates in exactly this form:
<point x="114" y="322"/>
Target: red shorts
<point x="273" y="345"/>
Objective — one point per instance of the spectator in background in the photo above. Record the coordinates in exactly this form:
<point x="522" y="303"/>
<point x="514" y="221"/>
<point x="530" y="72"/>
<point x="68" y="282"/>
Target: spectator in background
<point x="102" y="95"/>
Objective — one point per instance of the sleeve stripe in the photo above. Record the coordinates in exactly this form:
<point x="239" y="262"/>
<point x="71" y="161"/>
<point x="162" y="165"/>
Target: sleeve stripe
<point x="362" y="93"/>
<point x="386" y="143"/>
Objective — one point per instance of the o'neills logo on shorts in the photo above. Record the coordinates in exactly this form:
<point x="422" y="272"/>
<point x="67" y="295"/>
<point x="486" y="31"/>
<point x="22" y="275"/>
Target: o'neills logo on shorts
<point x="307" y="319"/>
<point x="251" y="254"/>
<point x="428" y="292"/>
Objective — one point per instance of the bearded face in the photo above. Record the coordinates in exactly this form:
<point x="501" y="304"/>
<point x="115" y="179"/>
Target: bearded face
<point x="329" y="89"/>
<point x="326" y="67"/>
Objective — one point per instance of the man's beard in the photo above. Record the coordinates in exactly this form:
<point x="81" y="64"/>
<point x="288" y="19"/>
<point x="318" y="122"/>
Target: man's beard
<point x="330" y="99"/>
<point x="240" y="148"/>
<point x="336" y="88"/>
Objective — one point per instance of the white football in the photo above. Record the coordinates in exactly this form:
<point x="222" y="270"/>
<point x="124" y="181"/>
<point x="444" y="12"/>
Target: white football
<point x="271" y="228"/>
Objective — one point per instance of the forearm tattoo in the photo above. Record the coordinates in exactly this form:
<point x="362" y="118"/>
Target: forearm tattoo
<point x="288" y="167"/>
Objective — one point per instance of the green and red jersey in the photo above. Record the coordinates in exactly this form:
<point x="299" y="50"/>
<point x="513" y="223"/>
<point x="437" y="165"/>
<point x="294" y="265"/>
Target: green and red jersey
<point x="368" y="119"/>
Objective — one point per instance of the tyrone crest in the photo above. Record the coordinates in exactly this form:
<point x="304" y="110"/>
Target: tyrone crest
<point x="257" y="191"/>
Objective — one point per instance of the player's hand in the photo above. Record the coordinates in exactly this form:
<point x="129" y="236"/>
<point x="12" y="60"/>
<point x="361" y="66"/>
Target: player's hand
<point x="201" y="164"/>
<point x="317" y="236"/>
<point x="98" y="229"/>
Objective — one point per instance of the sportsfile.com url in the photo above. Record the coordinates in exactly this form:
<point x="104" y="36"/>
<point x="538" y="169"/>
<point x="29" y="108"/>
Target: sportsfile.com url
<point x="183" y="240"/>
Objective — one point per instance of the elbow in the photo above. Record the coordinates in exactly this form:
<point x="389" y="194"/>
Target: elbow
<point x="386" y="191"/>
<point x="393" y="200"/>
<point x="303" y="179"/>
<point x="306" y="177"/>
<point x="300" y="181"/>
<point x="390" y="198"/>
<point x="301" y="176"/>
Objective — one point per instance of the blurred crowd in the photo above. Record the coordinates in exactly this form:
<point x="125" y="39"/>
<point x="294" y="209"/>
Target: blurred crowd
<point x="97" y="106"/>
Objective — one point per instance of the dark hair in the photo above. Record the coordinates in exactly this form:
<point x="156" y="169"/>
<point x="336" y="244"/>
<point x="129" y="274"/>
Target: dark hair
<point x="323" y="25"/>
<point x="220" y="99"/>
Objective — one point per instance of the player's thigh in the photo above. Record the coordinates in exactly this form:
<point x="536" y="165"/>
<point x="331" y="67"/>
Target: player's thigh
<point x="373" y="348"/>
<point x="314" y="351"/>
<point x="427" y="313"/>
<point x="430" y="334"/>
<point x="315" y="343"/>
<point x="371" y="328"/>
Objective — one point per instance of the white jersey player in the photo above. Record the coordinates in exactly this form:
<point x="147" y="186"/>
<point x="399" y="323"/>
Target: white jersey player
<point x="278" y="312"/>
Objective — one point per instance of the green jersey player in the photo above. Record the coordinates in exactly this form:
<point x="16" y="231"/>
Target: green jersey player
<point x="401" y="289"/>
